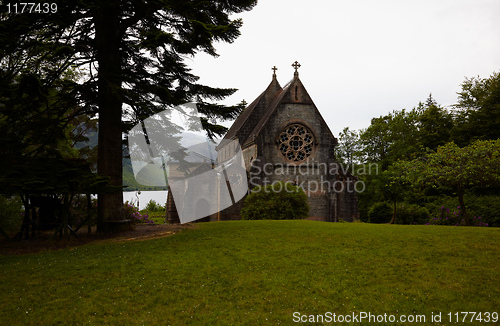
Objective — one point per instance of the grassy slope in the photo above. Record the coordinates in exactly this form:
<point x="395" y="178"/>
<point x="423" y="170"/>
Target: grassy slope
<point x="256" y="273"/>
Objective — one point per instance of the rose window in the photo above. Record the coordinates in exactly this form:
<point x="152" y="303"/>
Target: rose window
<point x="296" y="142"/>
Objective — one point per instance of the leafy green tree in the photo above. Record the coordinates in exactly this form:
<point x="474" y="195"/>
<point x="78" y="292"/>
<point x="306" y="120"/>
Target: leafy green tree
<point x="348" y="147"/>
<point x="390" y="137"/>
<point x="375" y="140"/>
<point x="133" y="55"/>
<point x="461" y="169"/>
<point x="477" y="113"/>
<point x="404" y="128"/>
<point x="153" y="206"/>
<point x="399" y="135"/>
<point x="394" y="188"/>
<point x="406" y="134"/>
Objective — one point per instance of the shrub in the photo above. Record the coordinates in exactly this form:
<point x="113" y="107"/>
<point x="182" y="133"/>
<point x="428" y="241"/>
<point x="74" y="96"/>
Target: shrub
<point x="132" y="213"/>
<point x="453" y="217"/>
<point x="488" y="207"/>
<point x="485" y="206"/>
<point x="412" y="214"/>
<point x="153" y="206"/>
<point x="279" y="201"/>
<point x="380" y="213"/>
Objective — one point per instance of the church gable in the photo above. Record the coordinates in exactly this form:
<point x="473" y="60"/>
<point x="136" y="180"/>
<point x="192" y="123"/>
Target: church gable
<point x="292" y="129"/>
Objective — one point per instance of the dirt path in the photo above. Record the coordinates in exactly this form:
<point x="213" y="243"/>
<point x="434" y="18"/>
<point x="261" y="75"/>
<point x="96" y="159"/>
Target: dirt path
<point x="42" y="242"/>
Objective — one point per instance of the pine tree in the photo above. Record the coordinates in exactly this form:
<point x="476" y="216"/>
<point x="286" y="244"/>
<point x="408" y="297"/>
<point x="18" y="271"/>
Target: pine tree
<point x="132" y="53"/>
<point x="435" y="125"/>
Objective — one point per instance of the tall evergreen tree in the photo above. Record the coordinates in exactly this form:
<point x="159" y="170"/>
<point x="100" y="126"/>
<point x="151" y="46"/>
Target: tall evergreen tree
<point x="132" y="53"/>
<point x="434" y="125"/>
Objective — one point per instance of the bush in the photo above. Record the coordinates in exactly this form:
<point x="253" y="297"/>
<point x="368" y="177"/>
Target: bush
<point x="453" y="217"/>
<point x="153" y="206"/>
<point x="488" y="207"/>
<point x="132" y="213"/>
<point x="11" y="214"/>
<point x="380" y="213"/>
<point x="279" y="201"/>
<point x="485" y="206"/>
<point x="412" y="214"/>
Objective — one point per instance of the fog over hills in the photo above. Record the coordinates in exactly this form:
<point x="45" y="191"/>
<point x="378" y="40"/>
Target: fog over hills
<point x="198" y="147"/>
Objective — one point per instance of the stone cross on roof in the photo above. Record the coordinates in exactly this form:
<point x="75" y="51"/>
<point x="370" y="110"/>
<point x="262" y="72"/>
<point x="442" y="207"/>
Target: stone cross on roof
<point x="296" y="65"/>
<point x="274" y="71"/>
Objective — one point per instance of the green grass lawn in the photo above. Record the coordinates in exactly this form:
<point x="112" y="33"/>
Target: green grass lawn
<point x="258" y="273"/>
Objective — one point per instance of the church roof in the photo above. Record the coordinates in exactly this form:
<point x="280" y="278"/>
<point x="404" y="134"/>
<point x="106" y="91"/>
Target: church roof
<point x="253" y="119"/>
<point x="247" y="120"/>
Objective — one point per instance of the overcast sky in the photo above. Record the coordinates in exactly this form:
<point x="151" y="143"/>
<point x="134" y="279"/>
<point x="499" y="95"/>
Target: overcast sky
<point x="362" y="58"/>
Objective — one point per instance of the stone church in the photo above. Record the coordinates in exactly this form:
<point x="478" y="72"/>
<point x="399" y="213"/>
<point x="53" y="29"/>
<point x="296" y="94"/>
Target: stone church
<point x="282" y="136"/>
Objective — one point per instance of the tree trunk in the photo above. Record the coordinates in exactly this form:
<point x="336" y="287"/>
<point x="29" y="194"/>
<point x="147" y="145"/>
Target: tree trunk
<point x="394" y="212"/>
<point x="463" y="209"/>
<point x="67" y="198"/>
<point x="109" y="155"/>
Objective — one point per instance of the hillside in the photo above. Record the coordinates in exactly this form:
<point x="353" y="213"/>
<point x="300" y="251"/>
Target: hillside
<point x="195" y="143"/>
